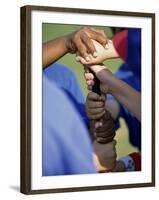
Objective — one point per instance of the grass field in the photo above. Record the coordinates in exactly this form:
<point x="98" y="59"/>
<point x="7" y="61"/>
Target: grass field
<point x="51" y="31"/>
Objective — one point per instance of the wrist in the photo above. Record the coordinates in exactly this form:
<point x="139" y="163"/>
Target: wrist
<point x="112" y="82"/>
<point x="70" y="47"/>
<point x="105" y="76"/>
<point x="120" y="166"/>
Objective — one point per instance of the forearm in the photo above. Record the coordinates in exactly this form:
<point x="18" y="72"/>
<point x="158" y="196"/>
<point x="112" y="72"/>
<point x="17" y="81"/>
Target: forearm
<point x="113" y="107"/>
<point x="125" y="94"/>
<point x="53" y="50"/>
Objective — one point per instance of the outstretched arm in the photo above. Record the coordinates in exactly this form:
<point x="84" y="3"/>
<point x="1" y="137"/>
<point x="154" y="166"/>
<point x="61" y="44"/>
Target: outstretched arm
<point x="79" y="41"/>
<point x="53" y="50"/>
<point x="125" y="94"/>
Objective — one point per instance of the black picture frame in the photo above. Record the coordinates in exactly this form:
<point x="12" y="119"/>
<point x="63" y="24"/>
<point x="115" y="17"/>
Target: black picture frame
<point x="25" y="182"/>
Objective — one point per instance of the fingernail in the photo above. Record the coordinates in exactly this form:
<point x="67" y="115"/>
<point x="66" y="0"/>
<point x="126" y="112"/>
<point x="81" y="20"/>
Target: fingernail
<point x="87" y="59"/>
<point x="95" y="54"/>
<point x="107" y="46"/>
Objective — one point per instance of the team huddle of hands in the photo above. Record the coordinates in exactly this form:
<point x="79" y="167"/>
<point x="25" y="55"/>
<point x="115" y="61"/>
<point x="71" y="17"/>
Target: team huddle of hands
<point x="91" y="47"/>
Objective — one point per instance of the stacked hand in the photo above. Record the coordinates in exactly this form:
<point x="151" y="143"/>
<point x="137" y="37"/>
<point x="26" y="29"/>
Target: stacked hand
<point x="102" y="53"/>
<point x="79" y="42"/>
<point x="82" y="43"/>
<point x="105" y="156"/>
<point x="103" y="132"/>
<point x="92" y="47"/>
<point x="101" y="128"/>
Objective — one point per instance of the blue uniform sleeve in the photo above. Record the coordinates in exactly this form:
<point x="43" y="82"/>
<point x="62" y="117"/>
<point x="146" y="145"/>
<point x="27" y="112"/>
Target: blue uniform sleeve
<point x="130" y="73"/>
<point x="65" y="78"/>
<point x="67" y="147"/>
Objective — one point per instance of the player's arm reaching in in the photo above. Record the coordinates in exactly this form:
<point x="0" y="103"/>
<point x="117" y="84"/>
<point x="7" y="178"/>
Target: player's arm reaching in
<point x="79" y="41"/>
<point x="125" y="94"/>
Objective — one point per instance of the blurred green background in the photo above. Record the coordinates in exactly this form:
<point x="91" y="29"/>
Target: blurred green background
<point x="51" y="31"/>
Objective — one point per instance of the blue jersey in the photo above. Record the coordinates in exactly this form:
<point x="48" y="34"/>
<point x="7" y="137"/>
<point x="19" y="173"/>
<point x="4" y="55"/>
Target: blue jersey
<point x="67" y="147"/>
<point x="65" y="78"/>
<point x="130" y="72"/>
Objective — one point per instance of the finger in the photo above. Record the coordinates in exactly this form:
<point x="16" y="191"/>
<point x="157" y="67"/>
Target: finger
<point x="89" y="76"/>
<point x="106" y="126"/>
<point x="82" y="49"/>
<point x="107" y="116"/>
<point x="81" y="60"/>
<point x="96" y="104"/>
<point x="92" y="125"/>
<point x="93" y="96"/>
<point x="100" y="36"/>
<point x="89" y="44"/>
<point x="103" y="97"/>
<point x="95" y="111"/>
<point x="97" y="124"/>
<point x="106" y="134"/>
<point x="102" y="32"/>
<point x="90" y="82"/>
<point x="111" y="145"/>
<point x="104" y="140"/>
<point x="97" y="116"/>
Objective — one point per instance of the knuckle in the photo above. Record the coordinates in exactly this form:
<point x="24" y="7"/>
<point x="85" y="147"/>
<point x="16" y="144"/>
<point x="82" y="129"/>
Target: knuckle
<point x="75" y="37"/>
<point x="82" y="51"/>
<point x="80" y="47"/>
<point x="103" y="32"/>
<point x="85" y="28"/>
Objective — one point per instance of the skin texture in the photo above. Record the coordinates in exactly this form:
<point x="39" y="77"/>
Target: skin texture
<point x="102" y="130"/>
<point x="105" y="132"/>
<point x="105" y="156"/>
<point x="96" y="105"/>
<point x="119" y="167"/>
<point x="125" y="94"/>
<point x="79" y="41"/>
<point x="102" y="133"/>
<point x="102" y="54"/>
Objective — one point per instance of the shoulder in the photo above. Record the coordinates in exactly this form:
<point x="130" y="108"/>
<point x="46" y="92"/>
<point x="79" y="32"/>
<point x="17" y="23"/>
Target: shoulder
<point x="58" y="68"/>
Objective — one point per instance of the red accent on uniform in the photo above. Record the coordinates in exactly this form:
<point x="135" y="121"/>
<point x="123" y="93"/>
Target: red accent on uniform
<point x="137" y="160"/>
<point x="120" y="43"/>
